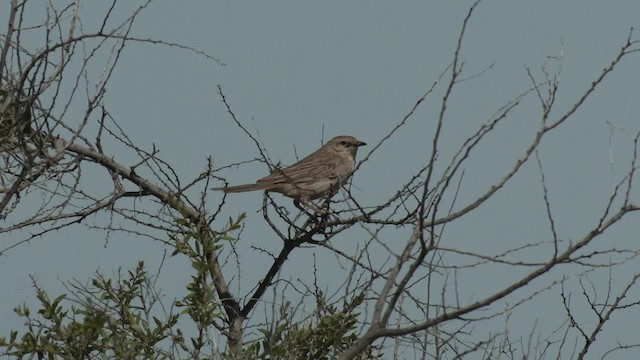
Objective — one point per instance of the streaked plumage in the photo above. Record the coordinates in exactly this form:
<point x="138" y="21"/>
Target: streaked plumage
<point x="320" y="174"/>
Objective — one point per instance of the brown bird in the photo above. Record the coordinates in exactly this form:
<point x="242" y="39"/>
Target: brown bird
<point x="320" y="174"/>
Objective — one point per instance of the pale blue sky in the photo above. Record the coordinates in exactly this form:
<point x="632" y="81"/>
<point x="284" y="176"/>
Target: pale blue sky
<point x="294" y="68"/>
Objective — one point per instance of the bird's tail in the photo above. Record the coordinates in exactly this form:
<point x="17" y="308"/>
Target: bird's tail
<point x="241" y="188"/>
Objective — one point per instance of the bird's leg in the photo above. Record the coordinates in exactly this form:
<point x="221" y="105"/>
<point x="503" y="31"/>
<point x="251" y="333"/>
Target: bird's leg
<point x="326" y="205"/>
<point x="311" y="218"/>
<point x="328" y="215"/>
<point x="308" y="205"/>
<point x="296" y="203"/>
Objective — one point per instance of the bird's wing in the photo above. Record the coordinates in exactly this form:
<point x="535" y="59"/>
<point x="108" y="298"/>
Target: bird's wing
<point x="303" y="171"/>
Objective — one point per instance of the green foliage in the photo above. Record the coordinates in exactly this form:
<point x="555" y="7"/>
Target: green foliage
<point x="112" y="321"/>
<point x="114" y="318"/>
<point x="200" y="302"/>
<point x="329" y="333"/>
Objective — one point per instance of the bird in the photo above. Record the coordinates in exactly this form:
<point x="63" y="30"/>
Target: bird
<point x="320" y="174"/>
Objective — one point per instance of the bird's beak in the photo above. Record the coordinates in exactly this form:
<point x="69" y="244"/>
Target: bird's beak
<point x="361" y="143"/>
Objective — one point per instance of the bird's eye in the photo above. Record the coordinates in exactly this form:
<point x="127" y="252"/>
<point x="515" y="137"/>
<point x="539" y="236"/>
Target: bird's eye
<point x="344" y="143"/>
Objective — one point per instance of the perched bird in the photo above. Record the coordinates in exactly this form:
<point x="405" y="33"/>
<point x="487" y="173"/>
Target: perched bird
<point x="320" y="174"/>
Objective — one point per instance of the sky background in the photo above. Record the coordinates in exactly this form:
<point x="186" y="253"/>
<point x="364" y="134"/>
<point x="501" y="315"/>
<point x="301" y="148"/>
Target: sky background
<point x="298" y="72"/>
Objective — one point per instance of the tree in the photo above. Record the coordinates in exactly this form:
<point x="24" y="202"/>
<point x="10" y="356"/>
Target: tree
<point x="411" y="298"/>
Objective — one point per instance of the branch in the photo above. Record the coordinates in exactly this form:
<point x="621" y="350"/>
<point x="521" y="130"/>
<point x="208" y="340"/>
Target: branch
<point x="230" y="303"/>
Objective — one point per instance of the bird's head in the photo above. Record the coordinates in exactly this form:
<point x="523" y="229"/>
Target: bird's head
<point x="346" y="146"/>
